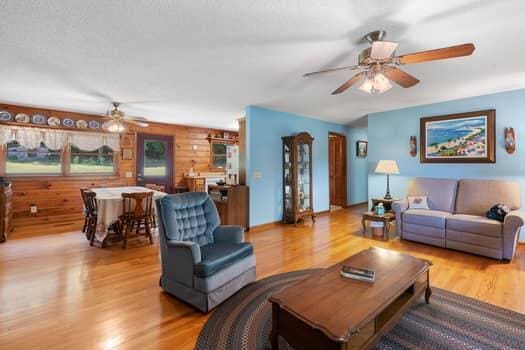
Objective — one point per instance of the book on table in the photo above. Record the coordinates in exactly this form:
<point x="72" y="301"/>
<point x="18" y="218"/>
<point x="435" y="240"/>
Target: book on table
<point x="357" y="273"/>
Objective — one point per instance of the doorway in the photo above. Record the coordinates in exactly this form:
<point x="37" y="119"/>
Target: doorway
<point x="155" y="160"/>
<point x="337" y="170"/>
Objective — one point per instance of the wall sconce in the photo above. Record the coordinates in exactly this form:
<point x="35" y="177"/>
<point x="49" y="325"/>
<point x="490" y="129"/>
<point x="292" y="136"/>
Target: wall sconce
<point x="194" y="147"/>
<point x="510" y="140"/>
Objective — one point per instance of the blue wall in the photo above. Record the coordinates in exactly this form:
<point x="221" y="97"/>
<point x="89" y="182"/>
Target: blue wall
<point x="357" y="167"/>
<point x="389" y="133"/>
<point x="264" y="129"/>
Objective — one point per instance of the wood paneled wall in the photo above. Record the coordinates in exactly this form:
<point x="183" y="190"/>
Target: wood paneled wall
<point x="58" y="198"/>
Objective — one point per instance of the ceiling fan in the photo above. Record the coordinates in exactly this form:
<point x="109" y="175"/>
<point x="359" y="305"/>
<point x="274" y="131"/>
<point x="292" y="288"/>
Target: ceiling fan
<point x="117" y="119"/>
<point x="381" y="66"/>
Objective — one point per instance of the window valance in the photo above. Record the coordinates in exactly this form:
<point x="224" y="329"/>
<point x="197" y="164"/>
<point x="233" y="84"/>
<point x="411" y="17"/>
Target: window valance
<point x="56" y="139"/>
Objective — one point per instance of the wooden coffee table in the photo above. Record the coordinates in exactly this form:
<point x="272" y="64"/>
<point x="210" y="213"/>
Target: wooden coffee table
<point x="327" y="311"/>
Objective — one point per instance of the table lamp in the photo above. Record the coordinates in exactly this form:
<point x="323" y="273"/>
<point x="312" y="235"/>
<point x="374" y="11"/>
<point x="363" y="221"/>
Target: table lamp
<point x="387" y="167"/>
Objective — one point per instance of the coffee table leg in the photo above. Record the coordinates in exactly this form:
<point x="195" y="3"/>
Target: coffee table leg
<point x="428" y="291"/>
<point x="363" y="222"/>
<point x="274" y="334"/>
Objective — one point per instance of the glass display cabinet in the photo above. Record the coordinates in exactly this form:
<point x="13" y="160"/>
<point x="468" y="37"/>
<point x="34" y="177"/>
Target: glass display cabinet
<point x="297" y="178"/>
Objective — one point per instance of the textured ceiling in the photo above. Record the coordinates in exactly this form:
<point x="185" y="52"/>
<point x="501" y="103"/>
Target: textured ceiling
<point x="201" y="62"/>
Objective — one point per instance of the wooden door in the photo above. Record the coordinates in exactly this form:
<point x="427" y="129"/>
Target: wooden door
<point x="155" y="160"/>
<point x="337" y="169"/>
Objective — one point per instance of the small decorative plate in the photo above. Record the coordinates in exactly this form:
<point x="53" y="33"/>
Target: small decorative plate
<point x="22" y="118"/>
<point x="68" y="122"/>
<point x="39" y="119"/>
<point x="105" y="125"/>
<point x="5" y="116"/>
<point x="53" y="121"/>
<point x="82" y="124"/>
<point x="94" y="124"/>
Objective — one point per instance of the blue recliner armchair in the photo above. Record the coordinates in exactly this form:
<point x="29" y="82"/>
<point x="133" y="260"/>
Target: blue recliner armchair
<point x="203" y="263"/>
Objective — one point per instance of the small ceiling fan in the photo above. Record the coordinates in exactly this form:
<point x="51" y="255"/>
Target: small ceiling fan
<point x="117" y="119"/>
<point x="381" y="66"/>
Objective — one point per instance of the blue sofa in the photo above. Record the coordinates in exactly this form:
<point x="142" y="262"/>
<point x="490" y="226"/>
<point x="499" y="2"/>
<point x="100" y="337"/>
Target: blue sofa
<point x="203" y="263"/>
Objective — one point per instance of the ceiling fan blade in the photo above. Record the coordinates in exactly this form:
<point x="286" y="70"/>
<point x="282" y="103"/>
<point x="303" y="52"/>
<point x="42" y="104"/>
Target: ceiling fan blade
<point x="332" y="70"/>
<point x="349" y="83"/>
<point x="134" y="122"/>
<point x="400" y="77"/>
<point x="381" y="50"/>
<point x="438" y="54"/>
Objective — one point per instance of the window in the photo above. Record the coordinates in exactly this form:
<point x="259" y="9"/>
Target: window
<point x="99" y="161"/>
<point x="218" y="155"/>
<point x="39" y="160"/>
<point x="37" y="151"/>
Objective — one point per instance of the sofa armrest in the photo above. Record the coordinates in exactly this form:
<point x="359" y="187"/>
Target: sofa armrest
<point x="178" y="264"/>
<point x="229" y="233"/>
<point x="514" y="221"/>
<point x="399" y="207"/>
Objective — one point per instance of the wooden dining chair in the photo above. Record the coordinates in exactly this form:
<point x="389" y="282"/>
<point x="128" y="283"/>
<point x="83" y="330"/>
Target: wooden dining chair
<point x="90" y="204"/>
<point x="137" y="215"/>
<point x="82" y="191"/>
<point x="155" y="187"/>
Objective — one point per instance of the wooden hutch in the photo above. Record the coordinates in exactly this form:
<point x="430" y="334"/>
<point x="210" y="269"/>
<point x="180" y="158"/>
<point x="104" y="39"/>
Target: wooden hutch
<point x="297" y="178"/>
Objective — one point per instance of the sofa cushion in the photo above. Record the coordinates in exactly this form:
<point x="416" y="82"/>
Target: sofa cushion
<point x="217" y="256"/>
<point x="476" y="197"/>
<point x="474" y="224"/>
<point x="441" y="193"/>
<point x="432" y="218"/>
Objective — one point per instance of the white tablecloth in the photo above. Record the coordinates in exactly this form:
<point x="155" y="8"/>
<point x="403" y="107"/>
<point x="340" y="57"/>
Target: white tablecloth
<point x="109" y="203"/>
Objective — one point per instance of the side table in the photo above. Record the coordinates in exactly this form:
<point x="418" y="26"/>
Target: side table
<point x="386" y="219"/>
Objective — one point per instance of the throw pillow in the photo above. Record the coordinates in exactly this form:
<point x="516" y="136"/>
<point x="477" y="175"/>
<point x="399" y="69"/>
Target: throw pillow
<point x="418" y="202"/>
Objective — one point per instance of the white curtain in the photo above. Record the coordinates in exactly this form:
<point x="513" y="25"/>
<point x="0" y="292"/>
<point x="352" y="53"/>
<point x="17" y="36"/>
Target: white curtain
<point x="31" y="138"/>
<point x="56" y="139"/>
<point x="87" y="141"/>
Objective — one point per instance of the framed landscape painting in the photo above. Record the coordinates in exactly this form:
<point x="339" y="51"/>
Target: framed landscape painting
<point x="459" y="138"/>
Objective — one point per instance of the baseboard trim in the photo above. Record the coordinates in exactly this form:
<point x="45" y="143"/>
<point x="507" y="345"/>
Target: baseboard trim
<point x="356" y="204"/>
<point x="274" y="224"/>
<point x="266" y="226"/>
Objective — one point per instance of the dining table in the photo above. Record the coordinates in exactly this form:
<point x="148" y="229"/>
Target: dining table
<point x="110" y="207"/>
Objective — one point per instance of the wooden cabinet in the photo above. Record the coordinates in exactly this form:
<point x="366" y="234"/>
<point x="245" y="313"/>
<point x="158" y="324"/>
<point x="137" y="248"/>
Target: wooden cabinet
<point x="196" y="184"/>
<point x="6" y="210"/>
<point x="232" y="204"/>
<point x="297" y="178"/>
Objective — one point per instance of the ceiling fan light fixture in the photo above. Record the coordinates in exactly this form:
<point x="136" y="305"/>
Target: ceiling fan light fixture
<point x="381" y="83"/>
<point x="116" y="126"/>
<point x="367" y="86"/>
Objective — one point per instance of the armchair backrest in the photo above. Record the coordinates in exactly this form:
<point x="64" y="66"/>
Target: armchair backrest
<point x="190" y="216"/>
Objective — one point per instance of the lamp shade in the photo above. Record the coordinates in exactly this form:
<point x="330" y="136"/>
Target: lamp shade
<point x="387" y="167"/>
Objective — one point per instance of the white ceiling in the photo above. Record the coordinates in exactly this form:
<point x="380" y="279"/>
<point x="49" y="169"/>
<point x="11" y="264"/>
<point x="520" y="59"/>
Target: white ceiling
<point x="201" y="62"/>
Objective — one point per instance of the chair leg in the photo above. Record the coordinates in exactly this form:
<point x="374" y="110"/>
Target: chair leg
<point x="92" y="229"/>
<point x="127" y="227"/>
<point x="148" y="230"/>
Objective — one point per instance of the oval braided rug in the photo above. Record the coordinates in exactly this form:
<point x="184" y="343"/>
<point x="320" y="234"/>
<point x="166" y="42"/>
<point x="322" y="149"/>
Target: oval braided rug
<point x="450" y="321"/>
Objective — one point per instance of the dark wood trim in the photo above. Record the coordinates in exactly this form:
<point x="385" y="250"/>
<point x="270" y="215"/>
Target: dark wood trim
<point x="491" y="137"/>
<point x="345" y="168"/>
<point x="170" y="163"/>
<point x="221" y="140"/>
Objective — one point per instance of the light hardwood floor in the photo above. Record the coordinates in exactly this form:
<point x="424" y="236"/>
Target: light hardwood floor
<point x="57" y="292"/>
